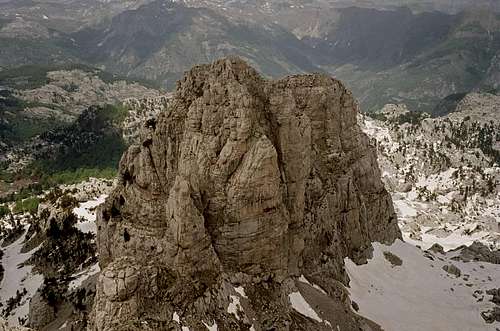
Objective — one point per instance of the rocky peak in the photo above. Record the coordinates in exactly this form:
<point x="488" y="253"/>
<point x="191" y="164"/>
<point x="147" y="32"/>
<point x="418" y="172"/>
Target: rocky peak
<point x="240" y="182"/>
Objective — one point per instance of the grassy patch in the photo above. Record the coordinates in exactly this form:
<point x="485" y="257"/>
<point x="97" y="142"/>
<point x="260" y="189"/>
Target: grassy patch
<point x="77" y="175"/>
<point x="29" y="205"/>
<point x="4" y="211"/>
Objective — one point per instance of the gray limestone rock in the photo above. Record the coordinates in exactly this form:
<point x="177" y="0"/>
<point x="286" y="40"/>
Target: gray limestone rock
<point x="241" y="182"/>
<point x="452" y="269"/>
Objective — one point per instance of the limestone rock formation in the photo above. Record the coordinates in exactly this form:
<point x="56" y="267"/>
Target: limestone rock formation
<point x="238" y="189"/>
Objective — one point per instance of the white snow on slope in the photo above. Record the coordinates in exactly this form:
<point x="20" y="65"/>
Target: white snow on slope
<point x="304" y="280"/>
<point x="452" y="240"/>
<point x="211" y="328"/>
<point x="418" y="295"/>
<point x="86" y="210"/>
<point x="300" y="304"/>
<point x="241" y="291"/>
<point x="234" y="306"/>
<point x="81" y="276"/>
<point x="17" y="279"/>
<point x="404" y="209"/>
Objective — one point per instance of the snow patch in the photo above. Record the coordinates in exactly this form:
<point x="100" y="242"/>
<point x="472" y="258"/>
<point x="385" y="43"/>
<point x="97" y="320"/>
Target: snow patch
<point x="300" y="304"/>
<point x="304" y="280"/>
<point x="17" y="278"/>
<point x="86" y="211"/>
<point x="241" y="291"/>
<point x="405" y="210"/>
<point x="234" y="306"/>
<point x="419" y="295"/>
<point x="211" y="328"/>
<point x="83" y="275"/>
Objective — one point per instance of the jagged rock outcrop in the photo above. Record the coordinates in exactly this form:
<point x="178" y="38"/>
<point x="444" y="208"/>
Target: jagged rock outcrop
<point x="241" y="182"/>
<point x="140" y="111"/>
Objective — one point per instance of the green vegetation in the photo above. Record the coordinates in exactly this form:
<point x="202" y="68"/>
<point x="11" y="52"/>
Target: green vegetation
<point x="447" y="105"/>
<point x="53" y="291"/>
<point x="46" y="181"/>
<point x="92" y="147"/>
<point x="25" y="77"/>
<point x="24" y="193"/>
<point x="114" y="114"/>
<point x="4" y="211"/>
<point x="21" y="129"/>
<point x="18" y="127"/>
<point x="6" y="176"/>
<point x="78" y="163"/>
<point x="78" y="175"/>
<point x="412" y="117"/>
<point x="29" y="205"/>
<point x="67" y="249"/>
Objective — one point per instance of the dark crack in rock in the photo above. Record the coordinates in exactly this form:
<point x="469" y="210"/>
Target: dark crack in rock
<point x="241" y="182"/>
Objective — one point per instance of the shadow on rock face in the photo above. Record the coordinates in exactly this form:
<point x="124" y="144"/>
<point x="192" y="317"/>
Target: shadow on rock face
<point x="242" y="182"/>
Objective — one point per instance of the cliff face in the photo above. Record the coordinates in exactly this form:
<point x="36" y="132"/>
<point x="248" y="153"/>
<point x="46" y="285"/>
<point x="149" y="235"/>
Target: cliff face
<point x="241" y="182"/>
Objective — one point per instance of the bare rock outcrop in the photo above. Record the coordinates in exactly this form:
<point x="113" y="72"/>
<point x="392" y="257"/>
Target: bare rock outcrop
<point x="238" y="189"/>
<point x="4" y="326"/>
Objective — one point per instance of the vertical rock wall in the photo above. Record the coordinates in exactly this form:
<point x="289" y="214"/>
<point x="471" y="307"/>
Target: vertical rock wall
<point x="241" y="181"/>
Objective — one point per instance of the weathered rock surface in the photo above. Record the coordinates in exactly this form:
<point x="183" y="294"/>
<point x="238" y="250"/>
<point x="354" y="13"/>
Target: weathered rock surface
<point x="40" y="312"/>
<point x="241" y="182"/>
<point x="479" y="252"/>
<point x="452" y="270"/>
<point x="4" y="326"/>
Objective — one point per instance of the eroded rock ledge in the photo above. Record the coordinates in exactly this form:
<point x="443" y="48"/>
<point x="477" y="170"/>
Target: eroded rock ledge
<point x="240" y="182"/>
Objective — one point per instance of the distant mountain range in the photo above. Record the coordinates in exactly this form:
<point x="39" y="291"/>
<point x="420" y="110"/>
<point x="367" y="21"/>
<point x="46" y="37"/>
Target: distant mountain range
<point x="384" y="52"/>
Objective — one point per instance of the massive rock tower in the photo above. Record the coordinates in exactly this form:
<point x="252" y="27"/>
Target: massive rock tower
<point x="239" y="188"/>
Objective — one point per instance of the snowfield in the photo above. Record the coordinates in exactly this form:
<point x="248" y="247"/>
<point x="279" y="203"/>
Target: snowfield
<point x="439" y="198"/>
<point x="82" y="276"/>
<point x="17" y="278"/>
<point x="419" y="294"/>
<point x="300" y="304"/>
<point x="86" y="214"/>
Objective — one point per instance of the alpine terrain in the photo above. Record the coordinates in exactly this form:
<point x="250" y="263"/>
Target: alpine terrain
<point x="249" y="165"/>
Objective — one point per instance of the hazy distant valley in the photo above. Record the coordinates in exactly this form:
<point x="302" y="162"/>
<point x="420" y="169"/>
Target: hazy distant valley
<point x="430" y="56"/>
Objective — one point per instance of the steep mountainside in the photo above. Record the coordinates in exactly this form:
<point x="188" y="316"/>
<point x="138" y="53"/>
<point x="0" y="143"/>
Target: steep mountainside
<point x="35" y="98"/>
<point x="367" y="37"/>
<point x="263" y="181"/>
<point x="89" y="146"/>
<point x="444" y="177"/>
<point x="444" y="172"/>
<point x="207" y="179"/>
<point x="429" y="56"/>
<point x="63" y="15"/>
<point x="163" y="39"/>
